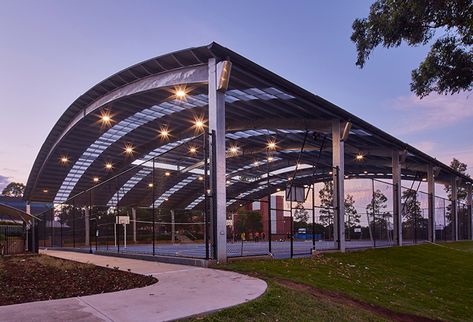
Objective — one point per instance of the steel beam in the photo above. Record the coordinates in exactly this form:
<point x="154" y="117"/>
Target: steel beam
<point x="217" y="164"/>
<point x="338" y="162"/>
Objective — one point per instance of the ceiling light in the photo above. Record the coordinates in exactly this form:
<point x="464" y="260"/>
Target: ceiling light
<point x="192" y="150"/>
<point x="365" y="172"/>
<point x="64" y="159"/>
<point x="167" y="173"/>
<point x="164" y="132"/>
<point x="278" y="189"/>
<point x="256" y="163"/>
<point x="201" y="178"/>
<point x="330" y="173"/>
<point x="180" y="93"/>
<point x="105" y="118"/>
<point x="270" y="158"/>
<point x="129" y="149"/>
<point x="150" y="185"/>
<point x="199" y="124"/>
<point x="359" y="157"/>
<point x="234" y="149"/>
<point x="271" y="145"/>
<point x="108" y="165"/>
<point x="96" y="179"/>
<point x="45" y="190"/>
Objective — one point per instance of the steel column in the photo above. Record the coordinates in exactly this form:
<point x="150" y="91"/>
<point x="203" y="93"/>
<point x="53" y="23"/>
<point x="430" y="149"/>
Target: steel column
<point x="338" y="161"/>
<point x="218" y="163"/>
<point x="431" y="203"/>
<point x="469" y="202"/>
<point x="396" y="174"/>
<point x="454" y="208"/>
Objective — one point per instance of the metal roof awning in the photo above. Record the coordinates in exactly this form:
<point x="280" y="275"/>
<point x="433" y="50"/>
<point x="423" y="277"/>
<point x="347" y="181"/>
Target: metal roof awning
<point x="15" y="214"/>
<point x="260" y="105"/>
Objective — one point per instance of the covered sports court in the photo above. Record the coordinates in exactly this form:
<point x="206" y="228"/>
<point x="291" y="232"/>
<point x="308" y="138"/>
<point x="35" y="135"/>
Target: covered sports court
<point x="202" y="153"/>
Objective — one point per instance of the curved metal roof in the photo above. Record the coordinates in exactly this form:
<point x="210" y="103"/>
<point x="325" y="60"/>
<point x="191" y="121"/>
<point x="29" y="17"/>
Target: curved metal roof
<point x="259" y="105"/>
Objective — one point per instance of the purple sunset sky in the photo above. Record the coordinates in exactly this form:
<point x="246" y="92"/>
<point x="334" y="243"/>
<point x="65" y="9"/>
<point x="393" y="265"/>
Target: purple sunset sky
<point x="53" y="51"/>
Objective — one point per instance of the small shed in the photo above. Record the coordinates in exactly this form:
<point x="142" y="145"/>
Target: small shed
<point x="18" y="231"/>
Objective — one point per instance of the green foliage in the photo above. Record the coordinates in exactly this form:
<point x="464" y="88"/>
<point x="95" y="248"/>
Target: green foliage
<point x="14" y="189"/>
<point x="411" y="209"/>
<point x="249" y="221"/>
<point x="352" y="217"/>
<point x="462" y="168"/>
<point x="378" y="204"/>
<point x="300" y="213"/>
<point x="326" y="201"/>
<point x="448" y="67"/>
<point x="461" y="192"/>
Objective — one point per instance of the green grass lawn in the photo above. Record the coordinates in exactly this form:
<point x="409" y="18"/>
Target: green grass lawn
<point x="283" y="304"/>
<point x="466" y="246"/>
<point x="427" y="280"/>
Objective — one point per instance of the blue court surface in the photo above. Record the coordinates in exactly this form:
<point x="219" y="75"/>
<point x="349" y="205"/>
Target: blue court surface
<point x="279" y="249"/>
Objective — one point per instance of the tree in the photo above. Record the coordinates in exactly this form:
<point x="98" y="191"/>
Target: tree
<point x="14" y="189"/>
<point x="352" y="218"/>
<point x="326" y="201"/>
<point x="300" y="213"/>
<point x="411" y="208"/>
<point x="377" y="204"/>
<point x="462" y="168"/>
<point x="249" y="221"/>
<point x="379" y="222"/>
<point x="461" y="192"/>
<point x="301" y="217"/>
<point x="448" y="67"/>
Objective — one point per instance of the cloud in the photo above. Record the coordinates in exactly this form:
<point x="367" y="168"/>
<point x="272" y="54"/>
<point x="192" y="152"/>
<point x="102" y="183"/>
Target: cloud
<point x="432" y="112"/>
<point x="4" y="181"/>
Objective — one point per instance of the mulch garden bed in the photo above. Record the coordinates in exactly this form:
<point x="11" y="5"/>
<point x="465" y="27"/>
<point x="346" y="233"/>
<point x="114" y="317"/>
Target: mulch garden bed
<point x="40" y="277"/>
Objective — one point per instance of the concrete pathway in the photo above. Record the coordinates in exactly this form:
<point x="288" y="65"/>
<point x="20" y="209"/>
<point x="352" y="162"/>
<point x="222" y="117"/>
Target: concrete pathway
<point x="182" y="291"/>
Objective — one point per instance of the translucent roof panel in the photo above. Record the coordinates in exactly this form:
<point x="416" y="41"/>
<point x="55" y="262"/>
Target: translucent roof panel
<point x="164" y="197"/>
<point x="115" y="133"/>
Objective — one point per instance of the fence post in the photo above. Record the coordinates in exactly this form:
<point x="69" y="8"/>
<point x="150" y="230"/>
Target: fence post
<point x="154" y="208"/>
<point x="73" y="224"/>
<point x="133" y="217"/>
<point x="270" y="231"/>
<point x="313" y="216"/>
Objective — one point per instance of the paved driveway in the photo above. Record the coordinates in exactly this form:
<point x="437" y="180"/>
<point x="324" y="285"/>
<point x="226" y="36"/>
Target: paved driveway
<point x="182" y="291"/>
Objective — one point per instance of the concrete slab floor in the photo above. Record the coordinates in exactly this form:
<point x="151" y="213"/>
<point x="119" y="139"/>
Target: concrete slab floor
<point x="182" y="291"/>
